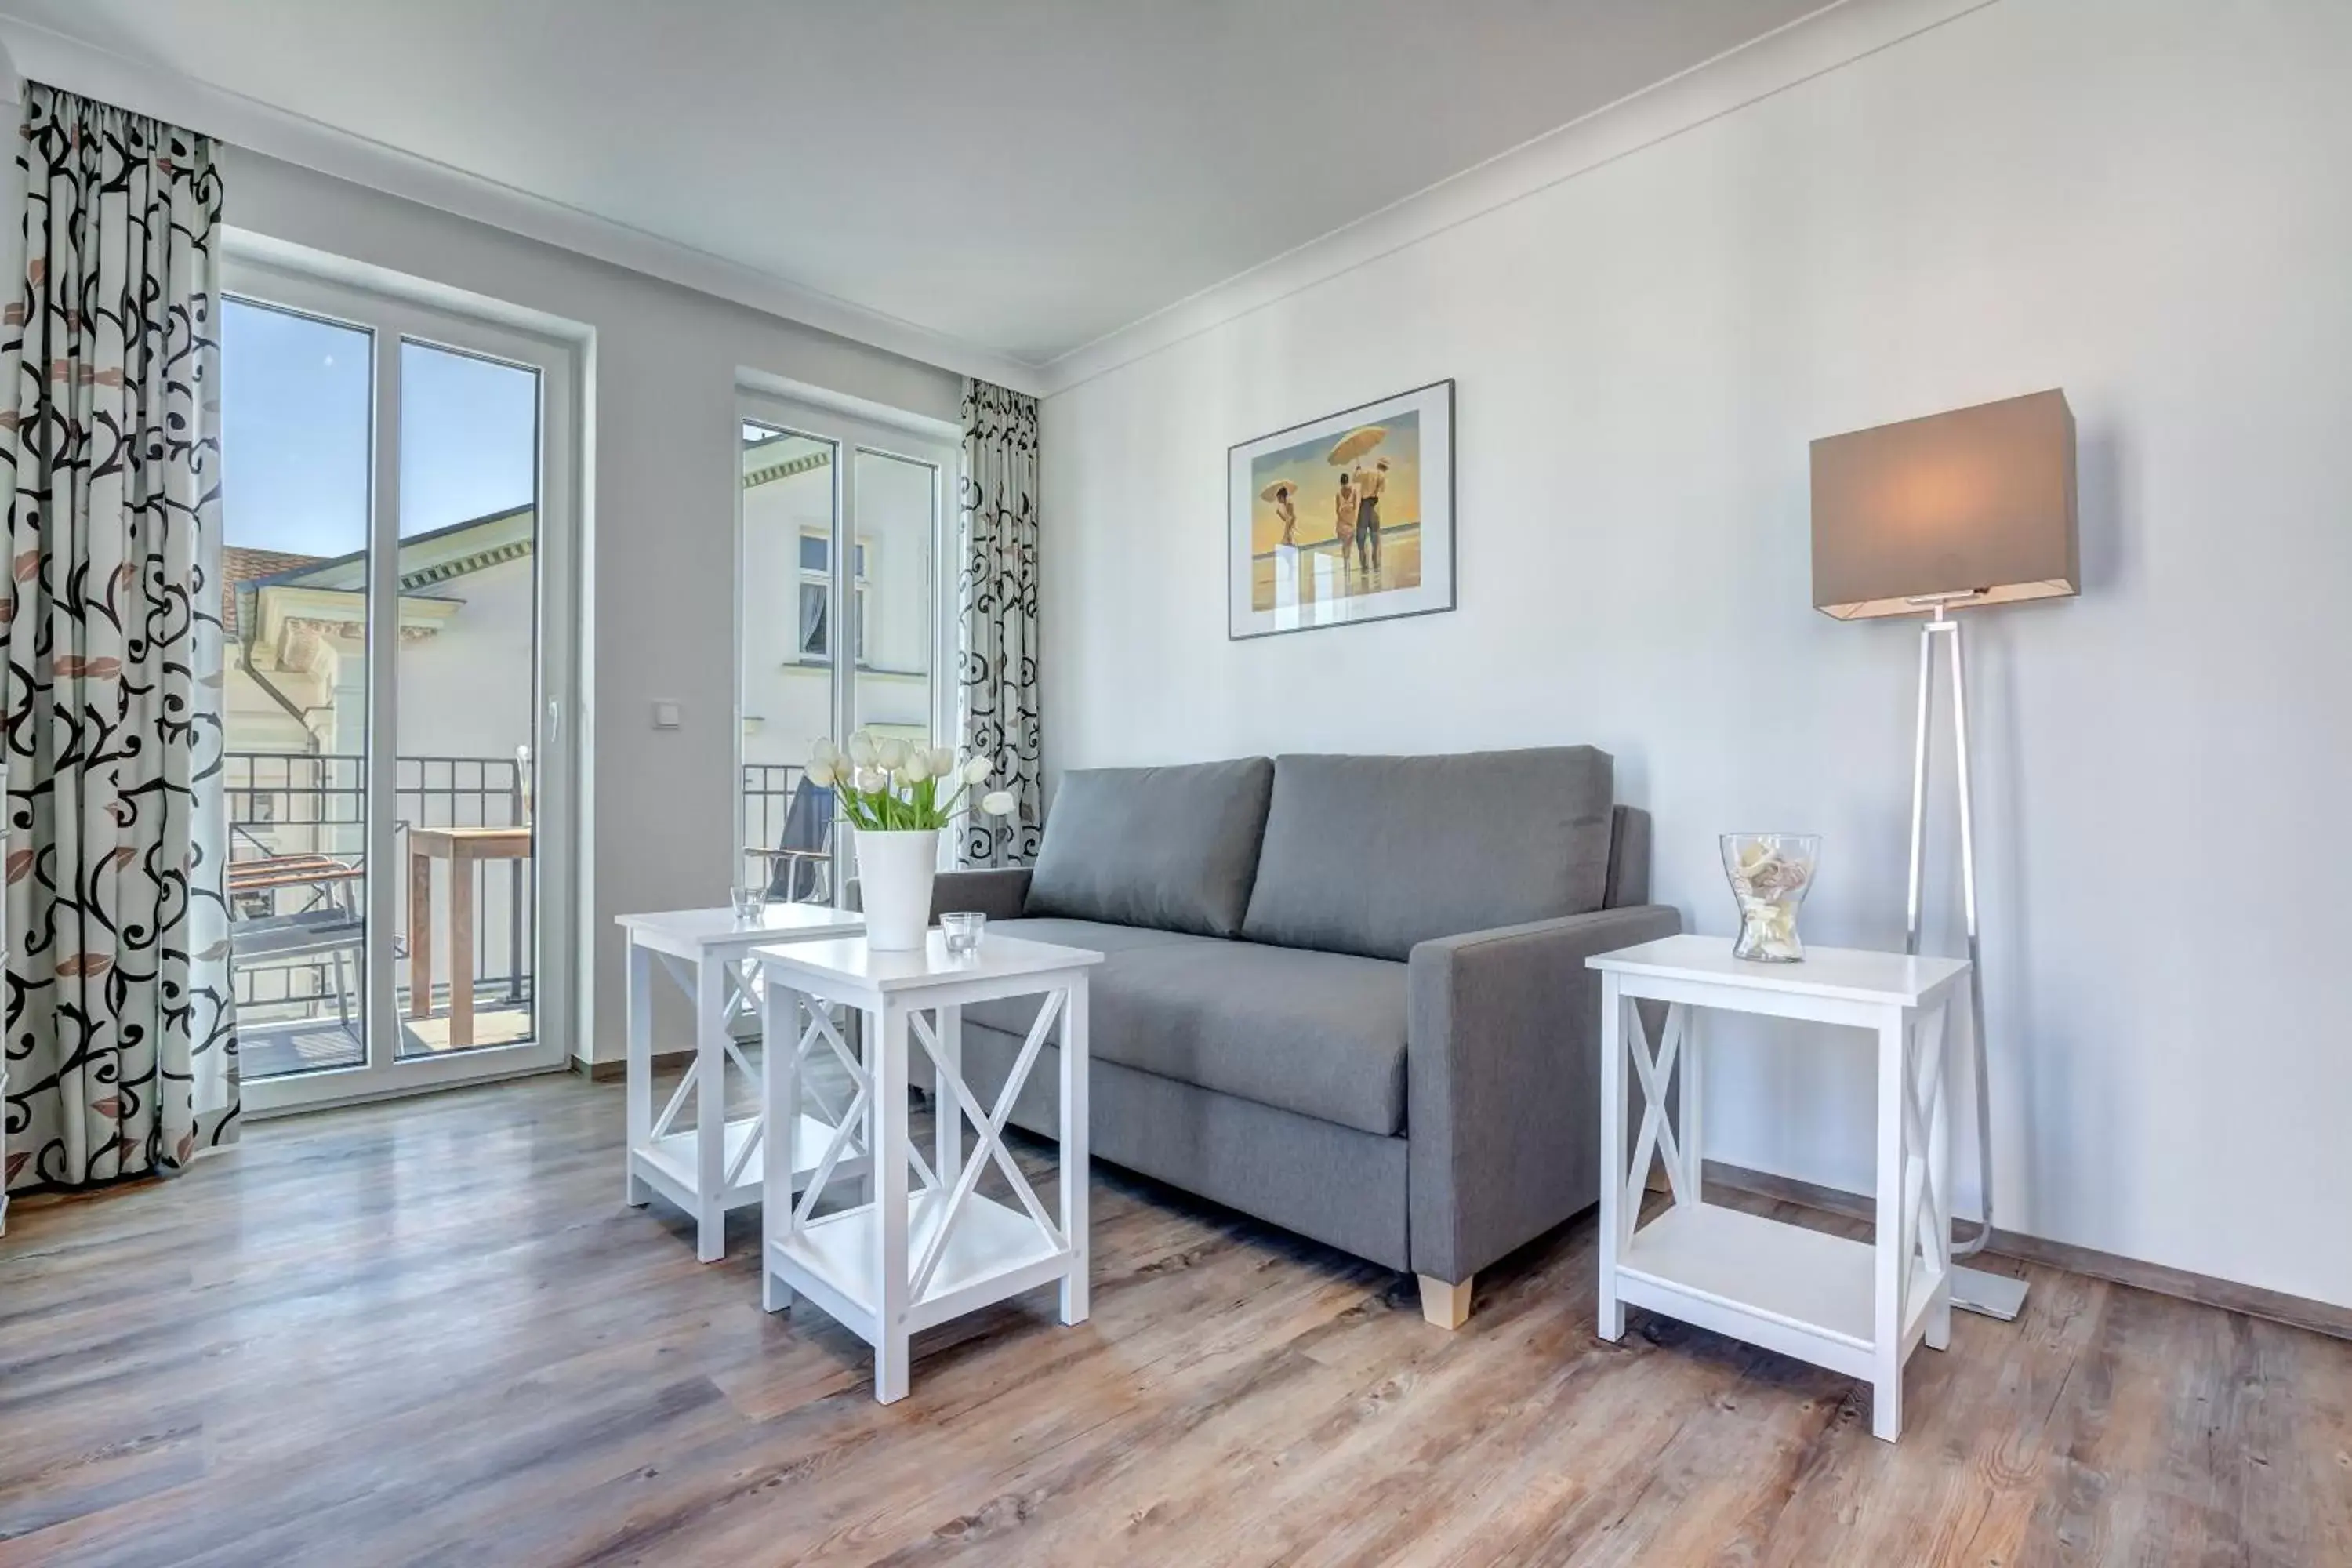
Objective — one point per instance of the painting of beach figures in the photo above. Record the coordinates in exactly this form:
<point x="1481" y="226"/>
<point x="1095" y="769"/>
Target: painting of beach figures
<point x="1347" y="518"/>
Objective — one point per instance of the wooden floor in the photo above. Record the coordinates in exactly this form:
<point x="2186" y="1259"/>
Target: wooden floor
<point x="430" y="1332"/>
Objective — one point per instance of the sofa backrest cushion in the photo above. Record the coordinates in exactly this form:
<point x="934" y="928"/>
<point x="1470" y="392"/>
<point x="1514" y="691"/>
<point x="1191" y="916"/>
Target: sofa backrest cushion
<point x="1170" y="848"/>
<point x="1370" y="855"/>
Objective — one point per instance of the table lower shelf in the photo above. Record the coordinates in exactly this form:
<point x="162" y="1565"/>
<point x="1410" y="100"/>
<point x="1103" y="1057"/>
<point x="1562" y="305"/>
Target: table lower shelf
<point x="1799" y="1291"/>
<point x="671" y="1163"/>
<point x="992" y="1251"/>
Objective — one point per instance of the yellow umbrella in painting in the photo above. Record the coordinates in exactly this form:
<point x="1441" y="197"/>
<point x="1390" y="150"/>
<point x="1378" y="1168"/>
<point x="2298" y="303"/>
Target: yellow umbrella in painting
<point x="1277" y="491"/>
<point x="1356" y="443"/>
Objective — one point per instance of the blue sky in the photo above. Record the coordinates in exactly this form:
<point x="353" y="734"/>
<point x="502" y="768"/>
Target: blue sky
<point x="295" y="395"/>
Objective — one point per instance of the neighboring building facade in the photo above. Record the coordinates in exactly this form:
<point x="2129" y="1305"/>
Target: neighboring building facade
<point x="468" y="641"/>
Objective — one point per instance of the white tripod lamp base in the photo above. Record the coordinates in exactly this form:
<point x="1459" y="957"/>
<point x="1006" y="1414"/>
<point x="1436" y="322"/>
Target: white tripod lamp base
<point x="1999" y="1296"/>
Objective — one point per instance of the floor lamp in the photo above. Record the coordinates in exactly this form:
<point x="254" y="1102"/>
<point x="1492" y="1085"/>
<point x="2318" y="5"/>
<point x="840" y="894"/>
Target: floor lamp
<point x="1970" y="508"/>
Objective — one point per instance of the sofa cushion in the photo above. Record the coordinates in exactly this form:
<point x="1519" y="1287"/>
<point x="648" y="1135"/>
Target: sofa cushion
<point x="1370" y="855"/>
<point x="1170" y="848"/>
<point x="1321" y="1034"/>
<point x="1095" y="935"/>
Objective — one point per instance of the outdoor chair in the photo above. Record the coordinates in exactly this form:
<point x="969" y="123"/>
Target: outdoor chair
<point x="331" y="925"/>
<point x="801" y="864"/>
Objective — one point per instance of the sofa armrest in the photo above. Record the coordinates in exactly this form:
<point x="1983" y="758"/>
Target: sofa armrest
<point x="1503" y="1082"/>
<point x="996" y="891"/>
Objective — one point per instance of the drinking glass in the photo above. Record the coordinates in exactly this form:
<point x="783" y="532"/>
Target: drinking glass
<point x="964" y="929"/>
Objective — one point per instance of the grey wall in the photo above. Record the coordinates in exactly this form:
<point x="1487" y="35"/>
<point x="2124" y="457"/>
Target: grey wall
<point x="2145" y="202"/>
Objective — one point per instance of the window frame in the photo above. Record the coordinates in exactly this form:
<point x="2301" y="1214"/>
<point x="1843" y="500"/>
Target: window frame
<point x="394" y="310"/>
<point x="852" y="425"/>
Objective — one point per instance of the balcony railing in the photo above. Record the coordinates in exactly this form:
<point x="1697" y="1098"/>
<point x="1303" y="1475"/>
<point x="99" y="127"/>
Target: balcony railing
<point x="310" y="808"/>
<point x="307" y="812"/>
<point x="767" y="798"/>
<point x="768" y="789"/>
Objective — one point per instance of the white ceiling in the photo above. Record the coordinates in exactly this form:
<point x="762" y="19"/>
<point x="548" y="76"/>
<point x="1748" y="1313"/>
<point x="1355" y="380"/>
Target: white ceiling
<point x="1023" y="177"/>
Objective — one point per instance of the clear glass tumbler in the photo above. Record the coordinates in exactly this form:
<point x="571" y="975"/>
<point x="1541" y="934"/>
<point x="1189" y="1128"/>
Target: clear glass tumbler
<point x="964" y="930"/>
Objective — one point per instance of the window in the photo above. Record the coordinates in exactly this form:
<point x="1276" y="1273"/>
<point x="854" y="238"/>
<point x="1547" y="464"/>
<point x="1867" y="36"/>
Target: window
<point x="397" y="486"/>
<point x="840" y="526"/>
<point x="816" y="572"/>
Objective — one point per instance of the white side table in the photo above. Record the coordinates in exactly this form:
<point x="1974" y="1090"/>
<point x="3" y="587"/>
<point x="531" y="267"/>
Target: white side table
<point x="907" y="1259"/>
<point x="714" y="1165"/>
<point x="1858" y="1308"/>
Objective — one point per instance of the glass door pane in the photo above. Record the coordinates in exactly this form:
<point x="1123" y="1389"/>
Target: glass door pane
<point x="890" y="604"/>
<point x="465" y="696"/>
<point x="789" y="635"/>
<point x="296" y="454"/>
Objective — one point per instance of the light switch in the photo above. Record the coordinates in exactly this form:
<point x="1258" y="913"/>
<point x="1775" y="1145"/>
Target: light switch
<point x="665" y="716"/>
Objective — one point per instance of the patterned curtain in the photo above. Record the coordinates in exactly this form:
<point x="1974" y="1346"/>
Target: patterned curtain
<point x="121" y="1043"/>
<point x="998" y="708"/>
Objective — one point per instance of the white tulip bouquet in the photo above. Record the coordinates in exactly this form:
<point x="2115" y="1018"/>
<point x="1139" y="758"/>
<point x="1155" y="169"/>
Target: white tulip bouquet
<point x="887" y="785"/>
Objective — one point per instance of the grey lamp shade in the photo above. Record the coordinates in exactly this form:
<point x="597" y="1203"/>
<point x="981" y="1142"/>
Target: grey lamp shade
<point x="1978" y="502"/>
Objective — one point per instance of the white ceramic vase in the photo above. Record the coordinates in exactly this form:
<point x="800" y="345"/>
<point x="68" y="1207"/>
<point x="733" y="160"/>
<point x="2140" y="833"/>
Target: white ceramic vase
<point x="893" y="884"/>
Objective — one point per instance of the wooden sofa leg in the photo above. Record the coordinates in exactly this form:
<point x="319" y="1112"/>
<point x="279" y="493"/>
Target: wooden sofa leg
<point x="1447" y="1306"/>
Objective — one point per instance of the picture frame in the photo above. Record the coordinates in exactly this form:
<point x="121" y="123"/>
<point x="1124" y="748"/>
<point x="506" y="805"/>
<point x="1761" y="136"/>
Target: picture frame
<point x="1344" y="518"/>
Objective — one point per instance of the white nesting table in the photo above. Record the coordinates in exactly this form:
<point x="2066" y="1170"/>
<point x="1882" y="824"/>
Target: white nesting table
<point x="714" y="1165"/>
<point x="909" y="1258"/>
<point x="1854" y="1307"/>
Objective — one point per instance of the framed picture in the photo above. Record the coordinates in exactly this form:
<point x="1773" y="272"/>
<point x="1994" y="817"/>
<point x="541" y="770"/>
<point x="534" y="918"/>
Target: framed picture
<point x="1344" y="518"/>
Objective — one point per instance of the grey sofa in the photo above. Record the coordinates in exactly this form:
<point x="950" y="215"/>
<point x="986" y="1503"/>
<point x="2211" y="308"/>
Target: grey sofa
<point x="1345" y="994"/>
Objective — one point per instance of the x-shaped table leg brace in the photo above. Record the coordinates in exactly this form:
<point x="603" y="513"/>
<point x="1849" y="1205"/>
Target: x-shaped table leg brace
<point x="738" y="1002"/>
<point x="1925" y="1221"/>
<point x="1657" y="1131"/>
<point x="845" y="1130"/>
<point x="991" y="1128"/>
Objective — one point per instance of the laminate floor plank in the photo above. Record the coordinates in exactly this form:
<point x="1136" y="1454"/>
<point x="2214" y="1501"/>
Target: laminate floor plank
<point x="429" y="1332"/>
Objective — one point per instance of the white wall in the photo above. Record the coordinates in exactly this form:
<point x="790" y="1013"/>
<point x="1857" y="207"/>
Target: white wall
<point x="664" y="480"/>
<point x="2144" y="202"/>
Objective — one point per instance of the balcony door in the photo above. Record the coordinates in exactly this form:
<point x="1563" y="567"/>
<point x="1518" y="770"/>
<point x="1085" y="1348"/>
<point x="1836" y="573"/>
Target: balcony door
<point x="396" y="498"/>
<point x="843" y="620"/>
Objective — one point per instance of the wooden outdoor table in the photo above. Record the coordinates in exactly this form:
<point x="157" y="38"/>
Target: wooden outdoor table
<point x="461" y="846"/>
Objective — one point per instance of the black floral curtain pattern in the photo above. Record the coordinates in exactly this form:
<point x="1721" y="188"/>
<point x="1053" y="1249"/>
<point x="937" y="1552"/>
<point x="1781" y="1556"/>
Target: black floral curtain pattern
<point x="119" y="1023"/>
<point x="998" y="710"/>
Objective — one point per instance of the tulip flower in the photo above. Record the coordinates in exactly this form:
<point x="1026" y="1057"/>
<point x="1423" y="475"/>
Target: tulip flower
<point x="891" y="785"/>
